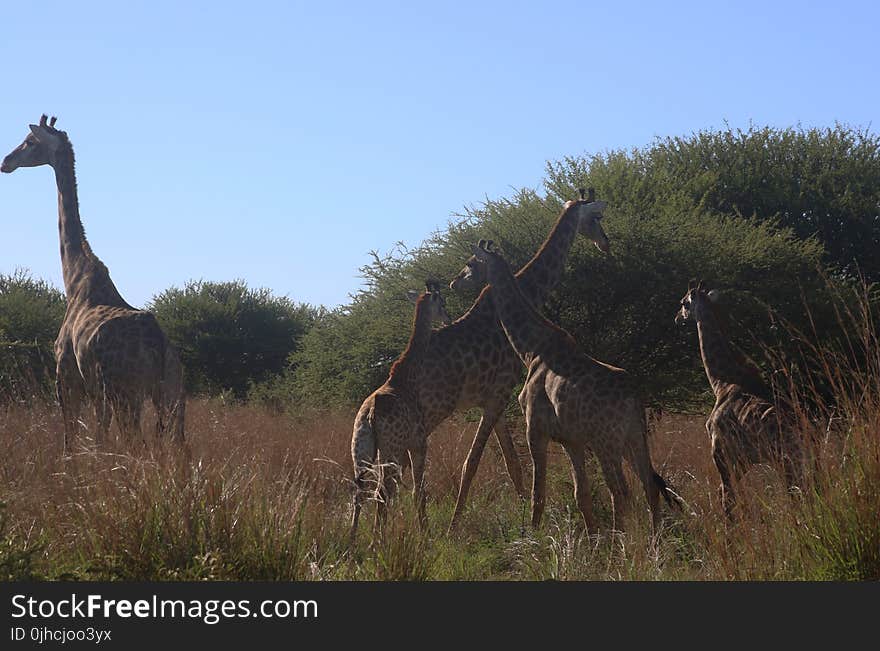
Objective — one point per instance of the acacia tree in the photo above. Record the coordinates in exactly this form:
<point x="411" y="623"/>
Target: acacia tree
<point x="230" y="337"/>
<point x="762" y="214"/>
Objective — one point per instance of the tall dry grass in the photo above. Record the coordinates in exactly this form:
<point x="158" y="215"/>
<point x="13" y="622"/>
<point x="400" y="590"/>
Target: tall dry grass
<point x="260" y="496"/>
<point x="256" y="495"/>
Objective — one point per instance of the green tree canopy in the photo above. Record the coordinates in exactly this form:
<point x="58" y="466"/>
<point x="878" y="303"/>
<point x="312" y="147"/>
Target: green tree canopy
<point x="229" y="335"/>
<point x="760" y="214"/>
<point x="822" y="183"/>
<point x="31" y="311"/>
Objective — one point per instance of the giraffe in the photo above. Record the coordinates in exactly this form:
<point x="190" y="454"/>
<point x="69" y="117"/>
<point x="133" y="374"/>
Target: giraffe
<point x="389" y="431"/>
<point x="572" y="399"/>
<point x="106" y="351"/>
<point x="471" y="364"/>
<point x="744" y="426"/>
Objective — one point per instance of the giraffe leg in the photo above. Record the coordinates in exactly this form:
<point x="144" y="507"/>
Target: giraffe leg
<point x="538" y="443"/>
<point x="652" y="494"/>
<point x="613" y="470"/>
<point x="417" y="457"/>
<point x="511" y="458"/>
<point x="169" y="418"/>
<point x="162" y="413"/>
<point x="794" y="464"/>
<point x="360" y="494"/>
<point x="382" y="490"/>
<point x="469" y="469"/>
<point x="104" y="413"/>
<point x="171" y="396"/>
<point x="581" y="484"/>
<point x="390" y="479"/>
<point x="728" y="497"/>
<point x="363" y="457"/>
<point x="70" y="396"/>
<point x="178" y="418"/>
<point x="128" y="415"/>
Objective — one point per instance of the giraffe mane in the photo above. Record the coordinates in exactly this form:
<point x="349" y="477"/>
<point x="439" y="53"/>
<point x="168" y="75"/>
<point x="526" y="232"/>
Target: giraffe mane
<point x="395" y="367"/>
<point x="87" y="248"/>
<point x="546" y="243"/>
<point x="533" y="311"/>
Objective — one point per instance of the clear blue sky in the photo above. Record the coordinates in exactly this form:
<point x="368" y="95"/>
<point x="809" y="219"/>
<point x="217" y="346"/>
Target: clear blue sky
<point x="280" y="142"/>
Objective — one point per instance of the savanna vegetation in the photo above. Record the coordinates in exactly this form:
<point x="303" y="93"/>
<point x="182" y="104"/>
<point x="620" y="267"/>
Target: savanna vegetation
<point x="786" y="222"/>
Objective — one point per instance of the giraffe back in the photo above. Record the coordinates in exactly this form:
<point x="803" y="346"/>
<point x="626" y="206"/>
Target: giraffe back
<point x="467" y="364"/>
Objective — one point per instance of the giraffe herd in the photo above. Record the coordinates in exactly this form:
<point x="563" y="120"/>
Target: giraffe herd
<point x="116" y="357"/>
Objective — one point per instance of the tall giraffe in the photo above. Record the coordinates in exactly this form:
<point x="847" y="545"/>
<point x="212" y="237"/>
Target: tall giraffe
<point x="573" y="399"/>
<point x="471" y="363"/>
<point x="743" y="426"/>
<point x="106" y="351"/>
<point x="389" y="431"/>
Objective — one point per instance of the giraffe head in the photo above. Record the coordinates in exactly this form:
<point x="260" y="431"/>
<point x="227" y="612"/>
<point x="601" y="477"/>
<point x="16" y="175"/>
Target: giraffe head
<point x="433" y="300"/>
<point x="588" y="213"/>
<point x="489" y="259"/>
<point x="38" y="148"/>
<point x="695" y="303"/>
<point x="589" y="216"/>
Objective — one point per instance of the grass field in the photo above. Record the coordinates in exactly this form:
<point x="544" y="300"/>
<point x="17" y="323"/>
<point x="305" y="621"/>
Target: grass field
<point x="262" y="496"/>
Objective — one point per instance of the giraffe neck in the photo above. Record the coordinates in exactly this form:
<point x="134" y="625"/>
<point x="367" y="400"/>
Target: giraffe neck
<point x="542" y="273"/>
<point x="410" y="361"/>
<point x="529" y="333"/>
<point x="70" y="228"/>
<point x="86" y="279"/>
<point x="724" y="365"/>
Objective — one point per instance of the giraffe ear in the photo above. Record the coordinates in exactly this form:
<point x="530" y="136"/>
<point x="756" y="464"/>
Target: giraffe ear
<point x="412" y="295"/>
<point x="44" y="136"/>
<point x="714" y="295"/>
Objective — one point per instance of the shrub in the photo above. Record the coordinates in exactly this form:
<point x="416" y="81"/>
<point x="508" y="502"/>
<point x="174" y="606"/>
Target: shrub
<point x="31" y="312"/>
<point x="230" y="336"/>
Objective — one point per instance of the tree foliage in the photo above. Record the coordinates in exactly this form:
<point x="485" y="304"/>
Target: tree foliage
<point x="822" y="183"/>
<point x="229" y="335"/>
<point x="31" y="311"/>
<point x="760" y="214"/>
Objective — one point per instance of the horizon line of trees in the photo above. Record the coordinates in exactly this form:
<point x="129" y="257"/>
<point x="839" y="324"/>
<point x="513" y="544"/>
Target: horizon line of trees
<point x="781" y="220"/>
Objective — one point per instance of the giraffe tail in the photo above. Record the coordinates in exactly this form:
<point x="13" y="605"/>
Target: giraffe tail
<point x="363" y="444"/>
<point x="671" y="497"/>
<point x="363" y="457"/>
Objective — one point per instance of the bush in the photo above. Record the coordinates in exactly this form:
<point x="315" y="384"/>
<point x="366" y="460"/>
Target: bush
<point x="31" y="312"/>
<point x="230" y="336"/>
